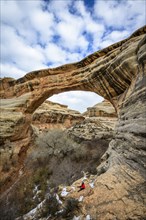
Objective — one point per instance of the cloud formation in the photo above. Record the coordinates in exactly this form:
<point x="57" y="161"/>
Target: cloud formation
<point x="42" y="34"/>
<point x="76" y="99"/>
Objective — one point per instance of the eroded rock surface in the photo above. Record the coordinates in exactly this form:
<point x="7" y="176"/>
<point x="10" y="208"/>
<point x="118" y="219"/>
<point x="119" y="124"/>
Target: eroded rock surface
<point x="53" y="115"/>
<point x="92" y="128"/>
<point x="103" y="109"/>
<point x="12" y="119"/>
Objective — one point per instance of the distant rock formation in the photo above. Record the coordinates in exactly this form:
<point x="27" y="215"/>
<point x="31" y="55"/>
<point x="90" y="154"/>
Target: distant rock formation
<point x="94" y="128"/>
<point x="53" y="115"/>
<point x="50" y="115"/>
<point x="103" y="109"/>
<point x="100" y="121"/>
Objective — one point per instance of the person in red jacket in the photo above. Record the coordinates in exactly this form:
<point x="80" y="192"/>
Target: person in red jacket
<point x="82" y="186"/>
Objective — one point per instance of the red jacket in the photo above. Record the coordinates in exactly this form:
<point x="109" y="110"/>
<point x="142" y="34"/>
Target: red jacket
<point x="83" y="186"/>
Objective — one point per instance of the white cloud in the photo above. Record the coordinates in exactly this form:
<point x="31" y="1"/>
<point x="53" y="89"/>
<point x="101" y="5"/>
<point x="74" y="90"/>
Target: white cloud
<point x="15" y="50"/>
<point x="54" y="53"/>
<point x="117" y="35"/>
<point x="60" y="8"/>
<point x="77" y="98"/>
<point x="10" y="12"/>
<point x="43" y="23"/>
<point x="10" y="70"/>
<point x="70" y="32"/>
<point x="121" y="14"/>
<point x="113" y="37"/>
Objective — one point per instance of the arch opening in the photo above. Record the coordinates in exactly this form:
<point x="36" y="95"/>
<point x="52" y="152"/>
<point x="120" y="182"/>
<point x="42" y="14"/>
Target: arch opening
<point x="79" y="140"/>
<point x="77" y="100"/>
<point x="67" y="109"/>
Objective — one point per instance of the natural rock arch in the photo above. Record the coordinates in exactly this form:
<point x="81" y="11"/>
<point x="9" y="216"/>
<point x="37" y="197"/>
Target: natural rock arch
<point x="108" y="72"/>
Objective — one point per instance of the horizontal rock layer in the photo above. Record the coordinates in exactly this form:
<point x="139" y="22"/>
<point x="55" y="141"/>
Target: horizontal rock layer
<point x="53" y="115"/>
<point x="103" y="109"/>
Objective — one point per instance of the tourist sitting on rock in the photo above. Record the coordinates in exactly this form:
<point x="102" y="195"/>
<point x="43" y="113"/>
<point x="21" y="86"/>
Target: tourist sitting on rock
<point x="82" y="186"/>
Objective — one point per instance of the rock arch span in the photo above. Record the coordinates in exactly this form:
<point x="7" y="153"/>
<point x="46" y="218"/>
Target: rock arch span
<point x="108" y="72"/>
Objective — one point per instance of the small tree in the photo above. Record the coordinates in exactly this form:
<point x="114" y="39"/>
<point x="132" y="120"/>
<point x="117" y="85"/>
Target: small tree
<point x="71" y="208"/>
<point x="49" y="139"/>
<point x="55" y="141"/>
<point x="51" y="206"/>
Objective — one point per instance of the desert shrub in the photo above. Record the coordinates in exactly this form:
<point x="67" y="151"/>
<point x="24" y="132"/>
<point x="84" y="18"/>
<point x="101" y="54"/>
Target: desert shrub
<point x="40" y="178"/>
<point x="55" y="140"/>
<point x="51" y="206"/>
<point x="6" y="167"/>
<point x="71" y="208"/>
<point x="8" y="159"/>
<point x="40" y="175"/>
<point x="79" y="154"/>
<point x="47" y="144"/>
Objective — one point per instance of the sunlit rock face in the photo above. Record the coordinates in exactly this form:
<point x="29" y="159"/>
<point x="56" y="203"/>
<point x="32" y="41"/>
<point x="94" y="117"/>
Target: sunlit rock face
<point x="12" y="119"/>
<point x="99" y="123"/>
<point x="117" y="73"/>
<point x="53" y="115"/>
<point x="103" y="109"/>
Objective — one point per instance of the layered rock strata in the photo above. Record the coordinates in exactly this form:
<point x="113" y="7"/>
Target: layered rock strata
<point x="53" y="115"/>
<point x="93" y="128"/>
<point x="103" y="109"/>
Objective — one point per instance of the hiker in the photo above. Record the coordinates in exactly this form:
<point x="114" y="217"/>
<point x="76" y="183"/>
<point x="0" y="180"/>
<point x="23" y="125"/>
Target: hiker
<point x="82" y="186"/>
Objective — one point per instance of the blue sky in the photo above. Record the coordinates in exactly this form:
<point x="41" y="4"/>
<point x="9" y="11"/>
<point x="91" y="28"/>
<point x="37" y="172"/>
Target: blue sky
<point x="38" y="34"/>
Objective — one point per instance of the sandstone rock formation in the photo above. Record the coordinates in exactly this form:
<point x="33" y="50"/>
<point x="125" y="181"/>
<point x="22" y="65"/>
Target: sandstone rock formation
<point x="118" y="73"/>
<point x="93" y="128"/>
<point x="103" y="109"/>
<point x="53" y="115"/>
<point x="12" y="119"/>
<point x="107" y="72"/>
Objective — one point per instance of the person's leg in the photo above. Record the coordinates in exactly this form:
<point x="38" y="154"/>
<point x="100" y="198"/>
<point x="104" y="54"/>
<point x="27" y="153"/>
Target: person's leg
<point x="80" y="189"/>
